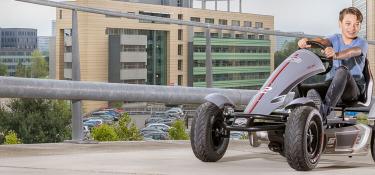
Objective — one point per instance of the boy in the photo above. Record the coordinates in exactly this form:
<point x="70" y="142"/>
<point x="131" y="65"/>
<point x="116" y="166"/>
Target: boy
<point x="348" y="51"/>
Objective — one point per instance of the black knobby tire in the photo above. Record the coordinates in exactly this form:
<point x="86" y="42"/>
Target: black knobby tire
<point x="209" y="142"/>
<point x="304" y="137"/>
<point x="373" y="143"/>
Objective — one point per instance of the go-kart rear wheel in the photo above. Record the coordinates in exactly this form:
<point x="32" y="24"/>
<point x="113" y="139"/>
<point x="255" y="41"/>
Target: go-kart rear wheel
<point x="304" y="138"/>
<point x="210" y="139"/>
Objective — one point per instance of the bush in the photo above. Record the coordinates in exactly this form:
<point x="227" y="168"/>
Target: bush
<point x="104" y="133"/>
<point x="11" y="138"/>
<point x="37" y="120"/>
<point x="126" y="129"/>
<point x="177" y="131"/>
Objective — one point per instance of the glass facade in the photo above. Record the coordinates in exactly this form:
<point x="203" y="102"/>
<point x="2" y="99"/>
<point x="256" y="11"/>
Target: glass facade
<point x="238" y="63"/>
<point x="156" y="52"/>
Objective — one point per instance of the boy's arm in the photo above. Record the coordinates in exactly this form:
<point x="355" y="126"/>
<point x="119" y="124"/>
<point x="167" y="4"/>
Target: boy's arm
<point x="349" y="53"/>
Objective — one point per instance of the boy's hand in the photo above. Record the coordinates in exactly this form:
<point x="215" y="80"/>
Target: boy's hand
<point x="330" y="53"/>
<point x="302" y="43"/>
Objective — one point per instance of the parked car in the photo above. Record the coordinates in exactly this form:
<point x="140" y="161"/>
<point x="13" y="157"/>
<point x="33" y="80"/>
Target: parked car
<point x="167" y="121"/>
<point x="152" y="120"/>
<point x="150" y="130"/>
<point x="159" y="126"/>
<point x="176" y="112"/>
<point x="156" y="136"/>
<point x="106" y="119"/>
<point x="93" y="123"/>
<point x="159" y="115"/>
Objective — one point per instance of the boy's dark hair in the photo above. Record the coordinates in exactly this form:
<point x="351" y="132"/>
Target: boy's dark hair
<point x="353" y="11"/>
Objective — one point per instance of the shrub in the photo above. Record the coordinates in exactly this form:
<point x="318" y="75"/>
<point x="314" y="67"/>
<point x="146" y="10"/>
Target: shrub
<point x="104" y="133"/>
<point x="177" y="131"/>
<point x="126" y="129"/>
<point x="11" y="138"/>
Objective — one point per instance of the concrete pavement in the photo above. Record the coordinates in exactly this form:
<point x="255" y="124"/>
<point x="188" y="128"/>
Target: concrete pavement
<point x="159" y="157"/>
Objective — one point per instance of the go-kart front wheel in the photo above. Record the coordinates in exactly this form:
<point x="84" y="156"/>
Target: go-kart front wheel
<point x="304" y="138"/>
<point x="210" y="138"/>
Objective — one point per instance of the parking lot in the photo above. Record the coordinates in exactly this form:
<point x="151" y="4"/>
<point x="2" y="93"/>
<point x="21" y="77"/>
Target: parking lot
<point x="159" y="157"/>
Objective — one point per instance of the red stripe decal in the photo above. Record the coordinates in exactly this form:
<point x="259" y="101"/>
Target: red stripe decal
<point x="268" y="85"/>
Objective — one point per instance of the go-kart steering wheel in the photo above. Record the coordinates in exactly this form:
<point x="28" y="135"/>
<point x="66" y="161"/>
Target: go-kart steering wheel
<point x="323" y="58"/>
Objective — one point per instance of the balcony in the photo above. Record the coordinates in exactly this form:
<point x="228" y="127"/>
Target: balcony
<point x="67" y="57"/>
<point x="129" y="74"/>
<point x="133" y="57"/>
<point x="68" y="73"/>
<point x="134" y="40"/>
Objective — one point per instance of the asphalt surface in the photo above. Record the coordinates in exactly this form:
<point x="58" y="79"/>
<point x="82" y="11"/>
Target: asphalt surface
<point x="160" y="157"/>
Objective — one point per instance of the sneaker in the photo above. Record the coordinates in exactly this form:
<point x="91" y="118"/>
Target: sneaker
<point x="315" y="97"/>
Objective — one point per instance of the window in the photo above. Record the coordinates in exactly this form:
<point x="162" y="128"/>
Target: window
<point x="258" y="25"/>
<point x="209" y="20"/>
<point x="196" y="19"/>
<point x="60" y="14"/>
<point x="68" y="49"/>
<point x="153" y="14"/>
<point x="261" y="37"/>
<point x="226" y="35"/>
<point x="199" y="34"/>
<point x="67" y="65"/>
<point x="239" y="36"/>
<point x="252" y="36"/>
<point x="214" y="35"/>
<point x="180" y="17"/>
<point x="223" y="22"/>
<point x="179" y="3"/>
<point x="247" y="23"/>
<point x="134" y="48"/>
<point x="179" y="80"/>
<point x="235" y="23"/>
<point x="180" y="32"/>
<point x="180" y="49"/>
<point x="133" y="65"/>
<point x="179" y="65"/>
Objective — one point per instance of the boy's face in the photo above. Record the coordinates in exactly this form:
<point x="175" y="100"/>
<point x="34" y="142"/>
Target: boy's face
<point x="350" y="26"/>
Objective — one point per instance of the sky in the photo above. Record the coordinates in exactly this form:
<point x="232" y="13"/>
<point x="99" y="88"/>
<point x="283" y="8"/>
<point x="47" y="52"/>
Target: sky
<point x="318" y="17"/>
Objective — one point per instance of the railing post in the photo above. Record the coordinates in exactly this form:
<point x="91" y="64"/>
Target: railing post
<point x="77" y="126"/>
<point x="208" y="59"/>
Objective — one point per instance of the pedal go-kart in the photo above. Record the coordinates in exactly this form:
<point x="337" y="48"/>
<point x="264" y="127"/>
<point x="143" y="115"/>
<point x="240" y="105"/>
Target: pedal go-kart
<point x="281" y="115"/>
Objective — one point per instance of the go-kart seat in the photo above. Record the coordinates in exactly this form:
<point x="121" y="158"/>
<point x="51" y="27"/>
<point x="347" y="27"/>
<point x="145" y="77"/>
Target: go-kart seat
<point x="365" y="97"/>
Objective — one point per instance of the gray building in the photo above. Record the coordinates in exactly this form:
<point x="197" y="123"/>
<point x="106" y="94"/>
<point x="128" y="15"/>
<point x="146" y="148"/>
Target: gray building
<point x="362" y="6"/>
<point x="43" y="43"/>
<point x="16" y="46"/>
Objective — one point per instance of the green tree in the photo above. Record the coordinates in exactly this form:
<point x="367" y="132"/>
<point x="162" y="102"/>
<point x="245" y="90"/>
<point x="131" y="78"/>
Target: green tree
<point x="21" y="70"/>
<point x="285" y="52"/>
<point x="39" y="66"/>
<point x="37" y="120"/>
<point x="126" y="129"/>
<point x="3" y="69"/>
<point x="177" y="131"/>
<point x="104" y="133"/>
